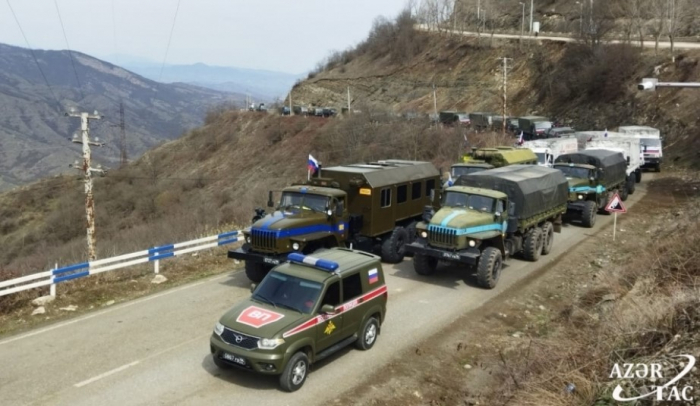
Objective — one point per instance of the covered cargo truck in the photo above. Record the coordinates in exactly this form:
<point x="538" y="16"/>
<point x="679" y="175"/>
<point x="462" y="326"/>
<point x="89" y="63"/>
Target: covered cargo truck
<point x="630" y="150"/>
<point x="593" y="176"/>
<point x="488" y="216"/>
<point x="372" y="206"/>
<point x="481" y="120"/>
<point x="547" y="150"/>
<point x="534" y="126"/>
<point x="650" y="141"/>
<point x="482" y="159"/>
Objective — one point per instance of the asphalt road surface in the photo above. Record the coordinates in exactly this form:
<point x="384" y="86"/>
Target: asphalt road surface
<point x="155" y="350"/>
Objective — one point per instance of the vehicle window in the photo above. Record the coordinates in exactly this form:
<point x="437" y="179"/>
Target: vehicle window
<point x="352" y="287"/>
<point x="575" y="172"/>
<point x="429" y="186"/>
<point x="303" y="201"/>
<point x="401" y="194"/>
<point x="415" y="190"/>
<point x="464" y="170"/>
<point x="541" y="157"/>
<point x="332" y="296"/>
<point x="500" y="206"/>
<point x="473" y="202"/>
<point x="288" y="291"/>
<point x="386" y="197"/>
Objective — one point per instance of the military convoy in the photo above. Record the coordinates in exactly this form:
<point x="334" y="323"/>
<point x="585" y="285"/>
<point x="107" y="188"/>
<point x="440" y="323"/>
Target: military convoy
<point x="372" y="207"/>
<point x="592" y="175"/>
<point x="491" y="215"/>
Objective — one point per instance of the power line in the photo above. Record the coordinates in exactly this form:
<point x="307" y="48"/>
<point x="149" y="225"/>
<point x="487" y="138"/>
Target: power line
<point x="167" y="48"/>
<point x="70" y="53"/>
<point x="36" y="61"/>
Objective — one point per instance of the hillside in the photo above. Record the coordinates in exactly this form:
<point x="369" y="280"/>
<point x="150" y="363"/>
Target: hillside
<point x="34" y="132"/>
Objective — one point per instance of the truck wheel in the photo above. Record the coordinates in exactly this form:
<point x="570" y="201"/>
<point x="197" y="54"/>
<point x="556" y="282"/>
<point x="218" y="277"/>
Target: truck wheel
<point x="489" y="269"/>
<point x="294" y="374"/>
<point x="368" y="335"/>
<point x="394" y="247"/>
<point x="532" y="246"/>
<point x="412" y="234"/>
<point x="256" y="271"/>
<point x="631" y="185"/>
<point x="548" y="235"/>
<point x="638" y="175"/>
<point x="658" y="167"/>
<point x="588" y="215"/>
<point x="624" y="192"/>
<point x="424" y="265"/>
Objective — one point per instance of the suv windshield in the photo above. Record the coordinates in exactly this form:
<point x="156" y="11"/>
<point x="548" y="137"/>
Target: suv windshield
<point x="304" y="201"/>
<point x="575" y="172"/>
<point x="458" y="171"/>
<point x="282" y="290"/>
<point x="474" y="202"/>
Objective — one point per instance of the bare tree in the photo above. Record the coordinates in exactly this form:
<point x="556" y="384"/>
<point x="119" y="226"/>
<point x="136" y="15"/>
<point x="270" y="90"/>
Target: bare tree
<point x="638" y="12"/>
<point x="677" y="17"/>
<point x="659" y="10"/>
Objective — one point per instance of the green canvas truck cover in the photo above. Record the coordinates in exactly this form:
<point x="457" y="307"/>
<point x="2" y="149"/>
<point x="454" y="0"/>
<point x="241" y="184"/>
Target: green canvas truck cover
<point x="613" y="163"/>
<point x="534" y="189"/>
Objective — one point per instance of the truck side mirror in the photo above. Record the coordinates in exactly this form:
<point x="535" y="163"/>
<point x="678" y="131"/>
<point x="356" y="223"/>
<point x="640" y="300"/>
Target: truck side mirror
<point x="327" y="309"/>
<point x="270" y="202"/>
<point x="498" y="214"/>
<point x="253" y="286"/>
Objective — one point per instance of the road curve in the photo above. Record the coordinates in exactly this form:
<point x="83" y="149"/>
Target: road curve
<point x="155" y="350"/>
<point x="647" y="44"/>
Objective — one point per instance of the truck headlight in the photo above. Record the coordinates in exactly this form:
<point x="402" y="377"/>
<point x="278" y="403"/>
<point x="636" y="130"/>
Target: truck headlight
<point x="472" y="243"/>
<point x="424" y="234"/>
<point x="295" y="246"/>
<point x="218" y="329"/>
<point x="270" y="343"/>
<point x="247" y="239"/>
<point x="580" y="197"/>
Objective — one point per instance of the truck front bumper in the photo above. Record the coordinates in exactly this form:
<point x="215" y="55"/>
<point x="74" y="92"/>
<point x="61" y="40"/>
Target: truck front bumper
<point x="271" y="363"/>
<point x="245" y="253"/>
<point x="470" y="256"/>
<point x="576" y="206"/>
<point x="650" y="162"/>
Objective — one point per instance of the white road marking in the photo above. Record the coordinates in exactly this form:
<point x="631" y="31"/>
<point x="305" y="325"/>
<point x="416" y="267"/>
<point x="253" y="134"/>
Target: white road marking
<point x="106" y="374"/>
<point x="118" y="307"/>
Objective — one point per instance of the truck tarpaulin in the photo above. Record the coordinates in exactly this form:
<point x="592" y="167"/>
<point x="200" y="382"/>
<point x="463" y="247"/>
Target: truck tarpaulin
<point x="613" y="164"/>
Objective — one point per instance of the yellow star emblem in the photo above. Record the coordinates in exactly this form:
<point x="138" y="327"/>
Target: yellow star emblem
<point x="329" y="327"/>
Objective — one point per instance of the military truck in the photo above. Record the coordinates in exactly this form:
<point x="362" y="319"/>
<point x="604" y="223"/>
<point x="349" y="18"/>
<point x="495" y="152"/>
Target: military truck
<point x="488" y="216"/>
<point x="593" y="175"/>
<point x="630" y="150"/>
<point x="547" y="150"/>
<point x="480" y="120"/>
<point x="453" y="117"/>
<point x="303" y="311"/>
<point x="481" y="159"/>
<point x="372" y="207"/>
<point x="527" y="125"/>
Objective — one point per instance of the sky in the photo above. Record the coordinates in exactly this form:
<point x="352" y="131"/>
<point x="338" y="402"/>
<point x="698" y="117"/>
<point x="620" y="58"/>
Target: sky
<point x="279" y="35"/>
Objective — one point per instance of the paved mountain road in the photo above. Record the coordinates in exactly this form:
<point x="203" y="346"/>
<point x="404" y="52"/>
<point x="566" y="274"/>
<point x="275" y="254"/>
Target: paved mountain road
<point x="155" y="350"/>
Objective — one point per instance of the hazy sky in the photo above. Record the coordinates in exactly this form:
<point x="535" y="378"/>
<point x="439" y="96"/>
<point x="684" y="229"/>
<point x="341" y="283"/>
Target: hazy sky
<point x="282" y="35"/>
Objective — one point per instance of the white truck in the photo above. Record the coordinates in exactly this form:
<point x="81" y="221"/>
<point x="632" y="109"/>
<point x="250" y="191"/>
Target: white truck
<point x="630" y="149"/>
<point x="650" y="140"/>
<point x="547" y="150"/>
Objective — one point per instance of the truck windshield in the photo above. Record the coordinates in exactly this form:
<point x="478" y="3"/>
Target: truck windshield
<point x="303" y="201"/>
<point x="541" y="158"/>
<point x="474" y="202"/>
<point x="290" y="292"/>
<point x="654" y="143"/>
<point x="543" y="125"/>
<point x="464" y="170"/>
<point x="575" y="172"/>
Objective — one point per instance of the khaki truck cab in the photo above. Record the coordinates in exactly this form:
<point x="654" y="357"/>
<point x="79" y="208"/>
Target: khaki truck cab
<point x="373" y="207"/>
<point x="490" y="215"/>
<point x="303" y="311"/>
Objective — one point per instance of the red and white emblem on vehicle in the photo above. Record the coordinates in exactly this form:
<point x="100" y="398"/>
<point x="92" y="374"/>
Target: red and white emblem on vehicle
<point x="257" y="317"/>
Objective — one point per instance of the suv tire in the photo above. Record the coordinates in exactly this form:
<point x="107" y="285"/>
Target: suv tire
<point x="256" y="271"/>
<point x="489" y="268"/>
<point x="588" y="216"/>
<point x="394" y="247"/>
<point x="548" y="236"/>
<point x="368" y="335"/>
<point x="424" y="265"/>
<point x="532" y="246"/>
<point x="295" y="372"/>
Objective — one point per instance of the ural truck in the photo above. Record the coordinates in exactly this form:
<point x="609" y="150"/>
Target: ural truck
<point x="630" y="150"/>
<point x="482" y="159"/>
<point x="489" y="216"/>
<point x="547" y="150"/>
<point x="480" y="120"/>
<point x="586" y="137"/>
<point x="650" y="140"/>
<point x="529" y="126"/>
<point x="592" y="176"/>
<point x="370" y="207"/>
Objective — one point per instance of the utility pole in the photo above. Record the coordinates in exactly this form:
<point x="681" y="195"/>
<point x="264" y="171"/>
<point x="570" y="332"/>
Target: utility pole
<point x="87" y="169"/>
<point x="348" y="99"/>
<point x="505" y="91"/>
<point x="532" y="6"/>
<point x="435" y="101"/>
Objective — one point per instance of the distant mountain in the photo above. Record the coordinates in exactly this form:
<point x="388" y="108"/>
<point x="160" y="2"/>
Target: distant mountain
<point x="34" y="133"/>
<point x="262" y="85"/>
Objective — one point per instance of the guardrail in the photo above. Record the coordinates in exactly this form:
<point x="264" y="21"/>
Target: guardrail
<point x="75" y="271"/>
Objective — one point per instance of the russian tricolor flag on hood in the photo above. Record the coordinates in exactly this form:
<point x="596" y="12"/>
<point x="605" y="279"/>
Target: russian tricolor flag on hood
<point x="312" y="165"/>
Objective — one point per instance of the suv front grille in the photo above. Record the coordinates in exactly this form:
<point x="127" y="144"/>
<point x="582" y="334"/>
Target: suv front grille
<point x="263" y="239"/>
<point x="442" y="236"/>
<point x="239" y="340"/>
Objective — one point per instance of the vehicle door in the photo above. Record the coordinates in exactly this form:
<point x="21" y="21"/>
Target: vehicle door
<point x="329" y="327"/>
<point x="340" y="218"/>
<point x="353" y="286"/>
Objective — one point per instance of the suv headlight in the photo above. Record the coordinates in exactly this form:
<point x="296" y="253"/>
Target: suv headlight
<point x="424" y="234"/>
<point x="218" y="329"/>
<point x="270" y="343"/>
<point x="295" y="246"/>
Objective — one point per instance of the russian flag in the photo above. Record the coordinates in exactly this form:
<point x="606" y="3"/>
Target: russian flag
<point x="312" y="165"/>
<point x="520" y="139"/>
<point x="373" y="276"/>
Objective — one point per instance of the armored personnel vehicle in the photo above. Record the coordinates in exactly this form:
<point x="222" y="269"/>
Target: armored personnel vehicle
<point x="372" y="207"/>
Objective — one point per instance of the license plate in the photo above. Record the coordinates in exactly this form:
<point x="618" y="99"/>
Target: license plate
<point x="271" y="261"/>
<point x="233" y="358"/>
<point x="450" y="256"/>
